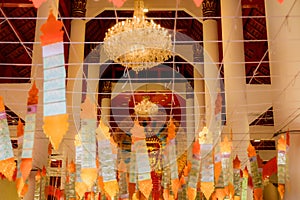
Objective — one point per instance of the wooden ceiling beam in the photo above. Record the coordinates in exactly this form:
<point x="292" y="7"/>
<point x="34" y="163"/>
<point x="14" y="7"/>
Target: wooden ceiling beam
<point x="16" y="31"/>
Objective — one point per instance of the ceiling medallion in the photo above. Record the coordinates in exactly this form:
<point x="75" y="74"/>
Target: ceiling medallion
<point x="138" y="43"/>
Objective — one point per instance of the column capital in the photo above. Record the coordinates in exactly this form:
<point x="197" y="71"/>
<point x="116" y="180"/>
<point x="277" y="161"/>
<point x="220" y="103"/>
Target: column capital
<point x="209" y="9"/>
<point x="78" y="8"/>
<point x="106" y="89"/>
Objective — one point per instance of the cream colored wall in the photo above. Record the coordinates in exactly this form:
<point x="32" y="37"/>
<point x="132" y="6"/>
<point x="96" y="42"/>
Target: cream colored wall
<point x="8" y="190"/>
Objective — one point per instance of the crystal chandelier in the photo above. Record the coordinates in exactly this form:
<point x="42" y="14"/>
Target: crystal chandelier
<point x="138" y="43"/>
<point x="146" y="107"/>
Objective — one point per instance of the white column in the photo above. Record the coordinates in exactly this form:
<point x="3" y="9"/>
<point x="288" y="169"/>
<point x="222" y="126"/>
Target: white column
<point x="40" y="150"/>
<point x="75" y="69"/>
<point x="284" y="46"/>
<point x="234" y="74"/>
<point x="211" y="57"/>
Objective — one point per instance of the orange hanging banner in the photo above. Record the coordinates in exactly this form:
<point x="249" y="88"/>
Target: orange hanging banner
<point x="55" y="109"/>
<point x="7" y="161"/>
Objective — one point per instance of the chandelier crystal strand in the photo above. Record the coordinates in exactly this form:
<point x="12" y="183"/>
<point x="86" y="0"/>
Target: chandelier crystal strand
<point x="138" y="43"/>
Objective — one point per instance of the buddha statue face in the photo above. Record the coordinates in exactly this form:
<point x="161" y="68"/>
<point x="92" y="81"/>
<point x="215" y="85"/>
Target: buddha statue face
<point x="154" y="153"/>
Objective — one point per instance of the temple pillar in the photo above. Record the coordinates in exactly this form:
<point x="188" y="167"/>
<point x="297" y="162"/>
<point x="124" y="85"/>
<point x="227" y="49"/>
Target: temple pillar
<point x="234" y="76"/>
<point x="211" y="57"/>
<point x="284" y="45"/>
<point x="75" y="67"/>
<point x="198" y="93"/>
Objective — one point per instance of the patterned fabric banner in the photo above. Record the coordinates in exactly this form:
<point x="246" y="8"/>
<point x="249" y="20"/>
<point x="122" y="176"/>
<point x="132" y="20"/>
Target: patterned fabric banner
<point x="71" y="178"/>
<point x="281" y="165"/>
<point x="237" y="177"/>
<point x="207" y="170"/>
<point x="80" y="186"/>
<point x="194" y="173"/>
<point x="256" y="175"/>
<point x="245" y="184"/>
<point x="7" y="161"/>
<point x="107" y="160"/>
<point x="225" y="160"/>
<point x="20" y="182"/>
<point x="139" y="148"/>
<point x="55" y="111"/>
<point x="30" y="121"/>
<point x="88" y="116"/>
<point x="206" y="138"/>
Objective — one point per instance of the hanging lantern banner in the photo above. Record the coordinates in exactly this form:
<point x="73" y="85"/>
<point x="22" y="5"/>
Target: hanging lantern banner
<point x="37" y="188"/>
<point x="80" y="186"/>
<point x="171" y="151"/>
<point x="217" y="155"/>
<point x="281" y="165"/>
<point x="194" y="173"/>
<point x="20" y="182"/>
<point x="123" y="181"/>
<point x="88" y="116"/>
<point x="287" y="174"/>
<point x="245" y="184"/>
<point x="43" y="184"/>
<point x="30" y="119"/>
<point x="107" y="161"/>
<point x="71" y="193"/>
<point x="7" y="161"/>
<point x="141" y="155"/>
<point x="256" y="175"/>
<point x="237" y="177"/>
<point x="207" y="170"/>
<point x="207" y="167"/>
<point x="218" y="173"/>
<point x="225" y="160"/>
<point x="55" y="111"/>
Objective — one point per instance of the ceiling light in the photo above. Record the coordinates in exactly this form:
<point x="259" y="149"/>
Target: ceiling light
<point x="146" y="107"/>
<point x="138" y="43"/>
